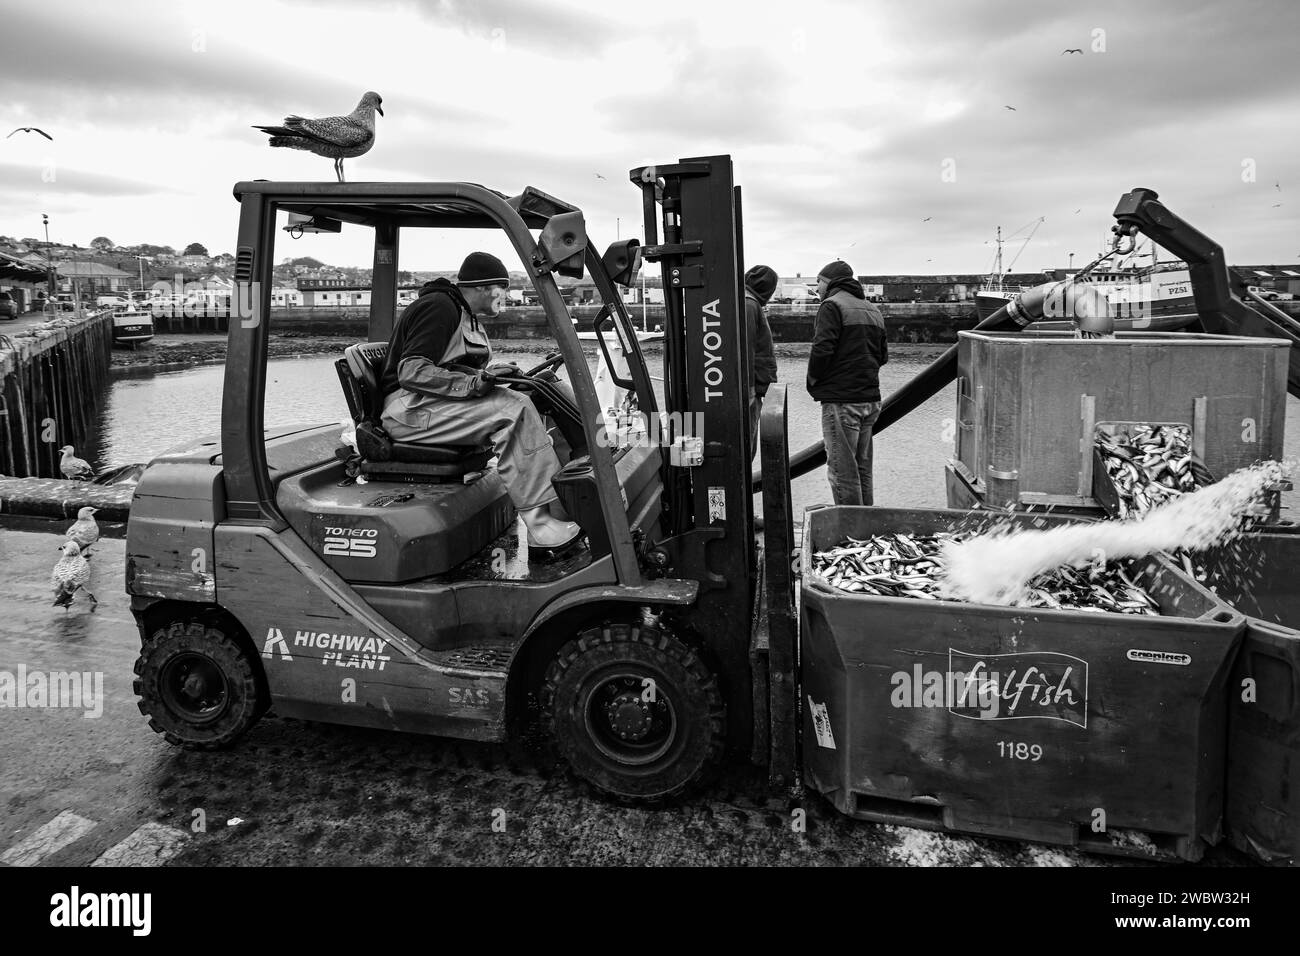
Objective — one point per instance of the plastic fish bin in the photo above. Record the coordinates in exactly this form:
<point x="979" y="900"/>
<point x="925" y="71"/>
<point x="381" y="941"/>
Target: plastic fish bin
<point x="1262" y="814"/>
<point x="1098" y="730"/>
<point x="1027" y="403"/>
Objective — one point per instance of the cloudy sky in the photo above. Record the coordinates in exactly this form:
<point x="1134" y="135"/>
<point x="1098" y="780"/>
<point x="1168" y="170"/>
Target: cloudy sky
<point x="873" y="131"/>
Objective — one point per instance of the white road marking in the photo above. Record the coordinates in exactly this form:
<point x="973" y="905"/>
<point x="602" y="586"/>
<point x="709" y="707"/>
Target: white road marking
<point x="151" y="845"/>
<point x="65" y="829"/>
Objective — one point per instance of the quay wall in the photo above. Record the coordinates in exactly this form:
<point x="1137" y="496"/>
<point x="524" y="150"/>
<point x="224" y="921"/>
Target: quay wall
<point x="51" y="378"/>
<point x="905" y="322"/>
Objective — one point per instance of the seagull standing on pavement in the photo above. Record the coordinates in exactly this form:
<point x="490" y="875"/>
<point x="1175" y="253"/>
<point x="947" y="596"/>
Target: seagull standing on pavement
<point x="85" y="530"/>
<point x="70" y="575"/>
<point x="74" y="468"/>
<point x="334" y="137"/>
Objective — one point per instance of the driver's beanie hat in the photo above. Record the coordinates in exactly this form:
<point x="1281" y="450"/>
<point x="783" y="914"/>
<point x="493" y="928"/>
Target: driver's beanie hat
<point x="482" y="268"/>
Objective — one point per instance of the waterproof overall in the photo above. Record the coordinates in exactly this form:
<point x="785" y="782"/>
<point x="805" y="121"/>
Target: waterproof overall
<point x="435" y="404"/>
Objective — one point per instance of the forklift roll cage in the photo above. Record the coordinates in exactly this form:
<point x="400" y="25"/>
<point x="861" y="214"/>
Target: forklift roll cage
<point x="388" y="208"/>
<point x="701" y="557"/>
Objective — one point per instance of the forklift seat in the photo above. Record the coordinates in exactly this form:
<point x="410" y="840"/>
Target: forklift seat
<point x="384" y="459"/>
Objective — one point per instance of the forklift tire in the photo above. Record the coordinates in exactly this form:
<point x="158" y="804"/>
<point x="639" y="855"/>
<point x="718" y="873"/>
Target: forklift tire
<point x="634" y="712"/>
<point x="197" y="686"/>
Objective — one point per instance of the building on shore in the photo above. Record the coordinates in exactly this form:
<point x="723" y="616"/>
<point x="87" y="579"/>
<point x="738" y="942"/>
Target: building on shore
<point x="1282" y="279"/>
<point x="22" y="281"/>
<point x="90" y="277"/>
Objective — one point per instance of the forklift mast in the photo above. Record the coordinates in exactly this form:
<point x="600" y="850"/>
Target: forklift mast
<point x="708" y="518"/>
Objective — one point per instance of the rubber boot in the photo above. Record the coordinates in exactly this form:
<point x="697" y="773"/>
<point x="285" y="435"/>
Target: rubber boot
<point x="546" y="533"/>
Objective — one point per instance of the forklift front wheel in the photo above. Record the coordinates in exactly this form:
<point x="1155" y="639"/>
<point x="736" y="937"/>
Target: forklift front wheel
<point x="197" y="686"/>
<point x="635" y="712"/>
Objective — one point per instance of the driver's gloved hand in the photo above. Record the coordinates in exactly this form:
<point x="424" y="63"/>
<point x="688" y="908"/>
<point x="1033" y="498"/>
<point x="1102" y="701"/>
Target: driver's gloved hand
<point x="504" y="369"/>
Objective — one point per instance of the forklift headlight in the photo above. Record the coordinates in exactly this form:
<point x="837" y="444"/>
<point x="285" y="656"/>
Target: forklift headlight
<point x="623" y="261"/>
<point x="562" y="246"/>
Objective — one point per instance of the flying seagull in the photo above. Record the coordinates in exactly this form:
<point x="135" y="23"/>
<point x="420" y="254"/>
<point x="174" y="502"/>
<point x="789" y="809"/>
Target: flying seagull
<point x="599" y="176"/>
<point x="70" y="575"/>
<point x="334" y="137"/>
<point x="1073" y="50"/>
<point x="1276" y="204"/>
<point x="32" y="129"/>
<point x="927" y="218"/>
<point x="1012" y="108"/>
<point x="74" y="468"/>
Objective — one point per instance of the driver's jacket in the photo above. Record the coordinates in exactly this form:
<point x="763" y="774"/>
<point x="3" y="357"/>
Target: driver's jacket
<point x="425" y="402"/>
<point x="434" y="332"/>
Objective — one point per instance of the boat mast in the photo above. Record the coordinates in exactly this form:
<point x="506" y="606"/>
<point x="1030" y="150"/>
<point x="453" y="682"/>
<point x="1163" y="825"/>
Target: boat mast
<point x="996" y="278"/>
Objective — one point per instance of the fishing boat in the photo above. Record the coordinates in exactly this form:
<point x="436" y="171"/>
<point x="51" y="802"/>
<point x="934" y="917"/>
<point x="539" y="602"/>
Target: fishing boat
<point x="995" y="292"/>
<point x="131" y="326"/>
<point x="1153" y="297"/>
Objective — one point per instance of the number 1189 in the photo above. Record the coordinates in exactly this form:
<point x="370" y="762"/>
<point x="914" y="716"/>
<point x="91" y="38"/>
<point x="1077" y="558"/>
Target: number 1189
<point x="1019" y="751"/>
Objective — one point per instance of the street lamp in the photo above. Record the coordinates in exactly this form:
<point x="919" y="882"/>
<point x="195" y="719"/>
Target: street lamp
<point x="49" y="262"/>
<point x="1072" y="260"/>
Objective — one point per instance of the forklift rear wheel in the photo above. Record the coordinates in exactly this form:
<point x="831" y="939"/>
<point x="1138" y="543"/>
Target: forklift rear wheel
<point x="635" y="712"/>
<point x="197" y="686"/>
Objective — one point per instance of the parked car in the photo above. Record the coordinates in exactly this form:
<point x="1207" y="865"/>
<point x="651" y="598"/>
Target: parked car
<point x="8" y="307"/>
<point x="111" y="299"/>
<point x="1283" y="297"/>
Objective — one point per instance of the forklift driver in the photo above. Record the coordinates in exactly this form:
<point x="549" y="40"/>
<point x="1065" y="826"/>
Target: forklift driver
<point x="439" y="389"/>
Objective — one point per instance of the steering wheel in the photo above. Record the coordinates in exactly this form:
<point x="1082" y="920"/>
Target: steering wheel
<point x="553" y="361"/>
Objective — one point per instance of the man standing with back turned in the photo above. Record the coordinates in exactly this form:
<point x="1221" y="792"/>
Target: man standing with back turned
<point x="844" y="376"/>
<point x="760" y="283"/>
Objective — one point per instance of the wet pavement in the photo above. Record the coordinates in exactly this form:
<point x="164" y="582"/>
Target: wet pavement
<point x="31" y="320"/>
<point x="77" y="790"/>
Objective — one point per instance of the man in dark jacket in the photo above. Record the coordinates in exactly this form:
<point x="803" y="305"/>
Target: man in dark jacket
<point x="844" y="375"/>
<point x="760" y="283"/>
<point x="439" y="389"/>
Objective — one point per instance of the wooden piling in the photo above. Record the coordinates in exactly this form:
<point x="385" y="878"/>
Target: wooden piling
<point x="59" y="375"/>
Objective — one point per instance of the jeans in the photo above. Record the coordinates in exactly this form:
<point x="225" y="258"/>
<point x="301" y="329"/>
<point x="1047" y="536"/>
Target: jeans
<point x="755" y="407"/>
<point x="846" y="429"/>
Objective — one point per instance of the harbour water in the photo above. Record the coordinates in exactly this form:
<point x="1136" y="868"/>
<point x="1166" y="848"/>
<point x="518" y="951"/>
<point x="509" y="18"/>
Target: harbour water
<point x="145" y="414"/>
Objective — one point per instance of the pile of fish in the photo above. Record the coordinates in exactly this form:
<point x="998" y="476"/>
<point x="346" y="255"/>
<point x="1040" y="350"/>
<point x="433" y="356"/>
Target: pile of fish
<point x="909" y="565"/>
<point x="1149" y="465"/>
<point x="888" y="565"/>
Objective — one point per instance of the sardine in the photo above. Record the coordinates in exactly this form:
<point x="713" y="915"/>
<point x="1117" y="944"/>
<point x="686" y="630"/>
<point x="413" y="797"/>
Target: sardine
<point x="909" y="565"/>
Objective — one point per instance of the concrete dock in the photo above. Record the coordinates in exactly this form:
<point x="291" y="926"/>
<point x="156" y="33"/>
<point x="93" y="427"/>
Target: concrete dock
<point x="79" y="789"/>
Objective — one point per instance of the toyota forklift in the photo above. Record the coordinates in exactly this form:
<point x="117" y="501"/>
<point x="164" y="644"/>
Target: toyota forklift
<point x="392" y="586"/>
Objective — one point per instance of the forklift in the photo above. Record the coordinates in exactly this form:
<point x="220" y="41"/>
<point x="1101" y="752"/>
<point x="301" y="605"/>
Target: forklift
<point x="393" y="587"/>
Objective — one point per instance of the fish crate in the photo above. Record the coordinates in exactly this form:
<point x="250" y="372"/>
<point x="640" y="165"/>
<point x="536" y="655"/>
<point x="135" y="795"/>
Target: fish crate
<point x="1107" y="731"/>
<point x="1027" y="404"/>
<point x="1262" y="812"/>
<point x="1103" y="486"/>
<point x="1108" y="495"/>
